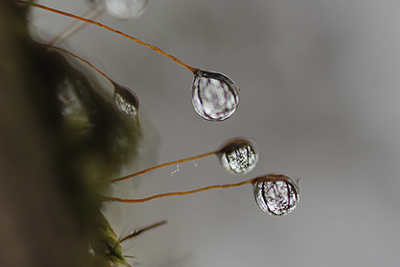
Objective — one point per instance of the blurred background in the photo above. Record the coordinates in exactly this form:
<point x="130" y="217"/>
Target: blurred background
<point x="320" y="94"/>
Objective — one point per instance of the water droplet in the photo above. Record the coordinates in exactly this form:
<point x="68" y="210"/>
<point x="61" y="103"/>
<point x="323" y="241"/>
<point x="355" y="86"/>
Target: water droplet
<point x="126" y="9"/>
<point x="215" y="96"/>
<point x="196" y="164"/>
<point x="276" y="194"/>
<point x="238" y="155"/>
<point x="126" y="99"/>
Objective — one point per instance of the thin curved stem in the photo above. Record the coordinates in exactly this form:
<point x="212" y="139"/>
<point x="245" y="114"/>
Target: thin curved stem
<point x="139" y="231"/>
<point x="158" y="50"/>
<point x="115" y="84"/>
<point x="162" y="165"/>
<point x="75" y="26"/>
<point x="178" y="193"/>
<point x="81" y="59"/>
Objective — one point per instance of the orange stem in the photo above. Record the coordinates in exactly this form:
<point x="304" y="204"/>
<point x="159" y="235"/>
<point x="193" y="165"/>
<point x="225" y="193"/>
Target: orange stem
<point x="81" y="59"/>
<point x="178" y="193"/>
<point x="162" y="165"/>
<point x="158" y="50"/>
<point x="75" y="26"/>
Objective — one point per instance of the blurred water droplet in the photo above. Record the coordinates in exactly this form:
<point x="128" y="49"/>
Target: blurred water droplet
<point x="126" y="99"/>
<point x="215" y="96"/>
<point x="276" y="194"/>
<point x="238" y="155"/>
<point x="126" y="9"/>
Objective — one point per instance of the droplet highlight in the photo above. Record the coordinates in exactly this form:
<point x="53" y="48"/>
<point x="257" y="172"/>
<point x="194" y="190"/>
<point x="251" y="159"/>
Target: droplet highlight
<point x="276" y="194"/>
<point x="176" y="170"/>
<point x="195" y="163"/>
<point x="126" y="9"/>
<point x="126" y="100"/>
<point x="215" y="96"/>
<point x="238" y="155"/>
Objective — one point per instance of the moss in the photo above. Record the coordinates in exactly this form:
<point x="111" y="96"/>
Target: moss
<point x="84" y="138"/>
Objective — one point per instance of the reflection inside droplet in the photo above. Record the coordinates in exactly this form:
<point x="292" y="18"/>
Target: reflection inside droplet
<point x="238" y="155"/>
<point x="124" y="105"/>
<point x="126" y="100"/>
<point x="276" y="194"/>
<point x="126" y="9"/>
<point x="215" y="96"/>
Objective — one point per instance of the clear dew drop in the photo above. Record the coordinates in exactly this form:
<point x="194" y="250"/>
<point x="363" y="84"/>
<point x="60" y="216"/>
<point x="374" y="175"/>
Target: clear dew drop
<point x="125" y="105"/>
<point x="126" y="100"/>
<point x="126" y="9"/>
<point x="276" y="194"/>
<point x="215" y="96"/>
<point x="238" y="155"/>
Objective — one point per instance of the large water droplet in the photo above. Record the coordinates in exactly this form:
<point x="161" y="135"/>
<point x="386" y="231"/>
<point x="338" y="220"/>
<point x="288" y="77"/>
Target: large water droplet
<point x="126" y="99"/>
<point x="238" y="155"/>
<point x="215" y="96"/>
<point x="276" y="194"/>
<point x="126" y="9"/>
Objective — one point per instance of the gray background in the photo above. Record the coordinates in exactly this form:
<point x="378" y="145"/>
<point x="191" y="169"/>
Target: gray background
<point x="320" y="94"/>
